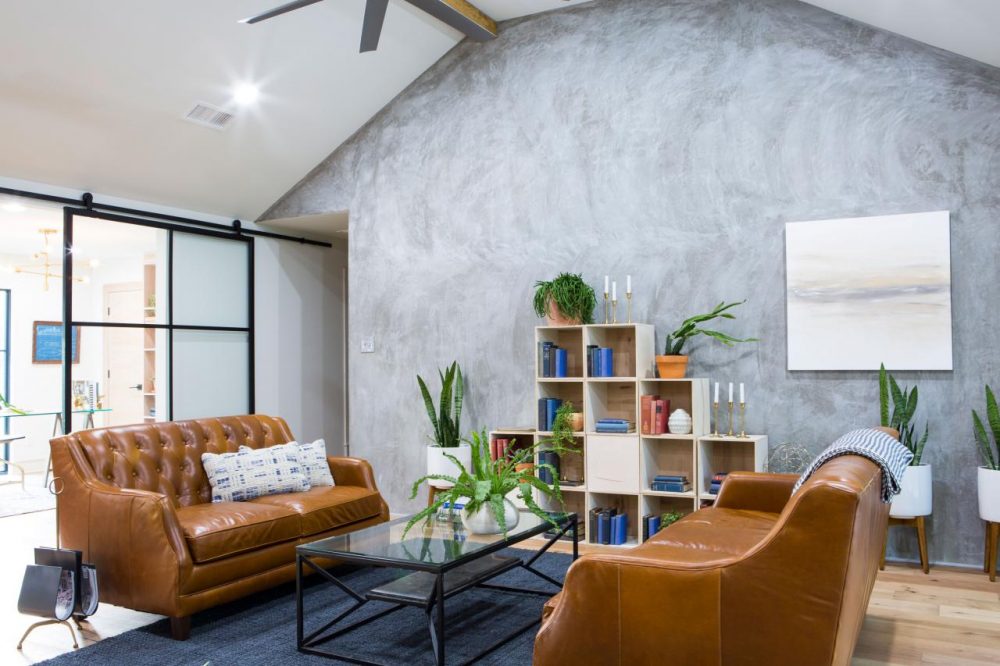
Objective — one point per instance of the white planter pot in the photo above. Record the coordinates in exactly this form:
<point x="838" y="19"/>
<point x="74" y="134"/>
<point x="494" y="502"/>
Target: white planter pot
<point x="484" y="522"/>
<point x="989" y="494"/>
<point x="917" y="496"/>
<point x="437" y="463"/>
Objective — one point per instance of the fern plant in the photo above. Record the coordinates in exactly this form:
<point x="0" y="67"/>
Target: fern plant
<point x="446" y="418"/>
<point x="690" y="328"/>
<point x="991" y="460"/>
<point x="487" y="482"/>
<point x="574" y="297"/>
<point x="904" y="405"/>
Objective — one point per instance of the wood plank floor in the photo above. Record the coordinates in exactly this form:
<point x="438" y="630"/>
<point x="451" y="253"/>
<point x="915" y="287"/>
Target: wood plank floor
<point x="949" y="617"/>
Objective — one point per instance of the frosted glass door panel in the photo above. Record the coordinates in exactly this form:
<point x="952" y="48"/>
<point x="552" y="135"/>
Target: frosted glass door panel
<point x="211" y="374"/>
<point x="210" y="281"/>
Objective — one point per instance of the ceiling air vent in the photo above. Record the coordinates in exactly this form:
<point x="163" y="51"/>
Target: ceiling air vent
<point x="209" y="116"/>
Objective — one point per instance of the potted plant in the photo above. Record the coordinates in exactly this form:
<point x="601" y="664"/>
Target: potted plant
<point x="484" y="484"/>
<point x="916" y="497"/>
<point x="445" y="419"/>
<point x="673" y="365"/>
<point x="989" y="471"/>
<point x="565" y="301"/>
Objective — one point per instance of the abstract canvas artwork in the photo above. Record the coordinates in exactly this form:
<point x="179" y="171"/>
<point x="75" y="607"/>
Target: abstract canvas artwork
<point x="869" y="290"/>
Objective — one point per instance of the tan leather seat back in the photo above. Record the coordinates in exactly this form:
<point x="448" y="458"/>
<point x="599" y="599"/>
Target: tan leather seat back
<point x="166" y="457"/>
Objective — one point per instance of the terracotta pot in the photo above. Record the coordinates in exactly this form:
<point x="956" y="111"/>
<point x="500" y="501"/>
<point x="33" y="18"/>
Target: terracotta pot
<point x="576" y="421"/>
<point x="555" y="316"/>
<point x="672" y="367"/>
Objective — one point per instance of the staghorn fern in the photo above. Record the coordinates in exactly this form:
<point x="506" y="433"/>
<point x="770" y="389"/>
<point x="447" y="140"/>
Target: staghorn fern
<point x="990" y="460"/>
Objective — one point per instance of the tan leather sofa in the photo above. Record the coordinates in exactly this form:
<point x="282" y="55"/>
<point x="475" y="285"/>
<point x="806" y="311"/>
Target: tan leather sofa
<point x="762" y="577"/>
<point x="136" y="501"/>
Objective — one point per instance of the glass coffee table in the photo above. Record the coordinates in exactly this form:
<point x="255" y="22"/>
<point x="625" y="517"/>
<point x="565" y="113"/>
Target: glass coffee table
<point x="445" y="561"/>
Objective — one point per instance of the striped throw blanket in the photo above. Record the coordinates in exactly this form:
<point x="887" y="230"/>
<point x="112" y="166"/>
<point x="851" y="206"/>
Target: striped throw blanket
<point x="877" y="446"/>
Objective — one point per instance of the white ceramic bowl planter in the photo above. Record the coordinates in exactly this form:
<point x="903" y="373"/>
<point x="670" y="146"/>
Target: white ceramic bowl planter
<point x="437" y="463"/>
<point x="989" y="494"/>
<point x="917" y="495"/>
<point x="484" y="522"/>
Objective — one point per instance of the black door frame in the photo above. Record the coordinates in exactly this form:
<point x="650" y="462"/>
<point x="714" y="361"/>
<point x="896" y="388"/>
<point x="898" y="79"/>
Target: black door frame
<point x="236" y="234"/>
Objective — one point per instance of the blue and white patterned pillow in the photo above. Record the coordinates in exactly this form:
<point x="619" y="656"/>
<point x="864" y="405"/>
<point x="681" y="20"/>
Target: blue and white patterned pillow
<point x="250" y="473"/>
<point x="312" y="456"/>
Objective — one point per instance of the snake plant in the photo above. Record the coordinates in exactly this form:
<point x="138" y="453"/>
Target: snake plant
<point x="904" y="405"/>
<point x="446" y="418"/>
<point x="991" y="460"/>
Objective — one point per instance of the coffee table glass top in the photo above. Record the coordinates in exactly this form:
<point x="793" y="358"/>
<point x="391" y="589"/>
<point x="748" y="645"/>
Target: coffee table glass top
<point x="428" y="545"/>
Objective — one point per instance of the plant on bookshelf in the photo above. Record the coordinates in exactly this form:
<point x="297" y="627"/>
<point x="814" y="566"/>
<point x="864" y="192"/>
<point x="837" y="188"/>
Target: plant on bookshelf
<point x="672" y="364"/>
<point x="916" y="495"/>
<point x="446" y="421"/>
<point x="483" y="485"/>
<point x="989" y="471"/>
<point x="565" y="301"/>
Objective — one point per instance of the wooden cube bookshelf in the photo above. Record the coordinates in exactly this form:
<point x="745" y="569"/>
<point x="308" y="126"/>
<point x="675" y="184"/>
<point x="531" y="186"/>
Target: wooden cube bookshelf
<point x="720" y="453"/>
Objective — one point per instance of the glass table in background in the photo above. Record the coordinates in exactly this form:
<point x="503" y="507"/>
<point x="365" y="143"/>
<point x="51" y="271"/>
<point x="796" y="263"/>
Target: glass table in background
<point x="445" y="560"/>
<point x="58" y="427"/>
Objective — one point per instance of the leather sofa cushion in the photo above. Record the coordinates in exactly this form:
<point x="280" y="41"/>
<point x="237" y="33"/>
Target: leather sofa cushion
<point x="327" y="507"/>
<point x="710" y="534"/>
<point x="222" y="529"/>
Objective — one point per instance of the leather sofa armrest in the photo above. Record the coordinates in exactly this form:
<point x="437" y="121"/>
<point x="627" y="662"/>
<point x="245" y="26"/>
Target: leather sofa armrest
<point x="355" y="472"/>
<point x="756" y="491"/>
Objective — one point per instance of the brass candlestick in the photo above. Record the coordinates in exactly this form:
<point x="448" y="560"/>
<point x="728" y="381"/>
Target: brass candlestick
<point x="628" y="296"/>
<point x="614" y="311"/>
<point x="715" y="406"/>
<point x="606" y="308"/>
<point x="730" y="433"/>
<point x="743" y="421"/>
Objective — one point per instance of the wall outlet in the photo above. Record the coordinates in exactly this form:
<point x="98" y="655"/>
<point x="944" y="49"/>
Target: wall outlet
<point x="368" y="345"/>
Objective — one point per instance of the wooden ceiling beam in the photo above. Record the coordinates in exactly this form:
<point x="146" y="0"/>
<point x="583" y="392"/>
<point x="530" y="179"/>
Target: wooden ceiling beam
<point x="461" y="15"/>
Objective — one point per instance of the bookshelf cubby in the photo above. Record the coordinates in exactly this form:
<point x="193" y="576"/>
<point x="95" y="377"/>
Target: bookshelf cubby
<point x="720" y="453"/>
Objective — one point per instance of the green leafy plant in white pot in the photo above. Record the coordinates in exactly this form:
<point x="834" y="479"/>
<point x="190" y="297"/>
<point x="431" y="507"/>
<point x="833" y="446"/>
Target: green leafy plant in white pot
<point x="446" y="442"/>
<point x="484" y="486"/>
<point x="916" y="497"/>
<point x="989" y="471"/>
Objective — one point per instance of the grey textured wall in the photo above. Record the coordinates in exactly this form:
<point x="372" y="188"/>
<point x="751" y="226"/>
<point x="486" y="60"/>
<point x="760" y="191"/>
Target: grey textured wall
<point x="670" y="140"/>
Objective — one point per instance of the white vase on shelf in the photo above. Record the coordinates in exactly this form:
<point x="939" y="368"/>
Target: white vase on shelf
<point x="679" y="423"/>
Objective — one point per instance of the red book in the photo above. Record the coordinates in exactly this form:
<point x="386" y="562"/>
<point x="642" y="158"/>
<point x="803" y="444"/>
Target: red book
<point x="660" y="426"/>
<point x="646" y="420"/>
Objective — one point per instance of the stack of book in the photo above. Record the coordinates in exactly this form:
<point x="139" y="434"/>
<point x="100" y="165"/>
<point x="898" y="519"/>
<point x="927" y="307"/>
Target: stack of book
<point x="600" y="361"/>
<point x="614" y="425"/>
<point x="553" y="360"/>
<point x="654" y="413"/>
<point x="671" y="482"/>
<point x="607" y="526"/>
<point x="650" y="525"/>
<point x="716" y="483"/>
<point x="547" y="408"/>
<point x="548" y="458"/>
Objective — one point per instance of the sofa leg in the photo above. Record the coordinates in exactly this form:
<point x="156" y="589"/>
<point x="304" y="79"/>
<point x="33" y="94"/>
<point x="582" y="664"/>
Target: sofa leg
<point x="180" y="628"/>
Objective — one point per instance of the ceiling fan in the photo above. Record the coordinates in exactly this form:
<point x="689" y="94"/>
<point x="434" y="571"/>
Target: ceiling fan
<point x="459" y="14"/>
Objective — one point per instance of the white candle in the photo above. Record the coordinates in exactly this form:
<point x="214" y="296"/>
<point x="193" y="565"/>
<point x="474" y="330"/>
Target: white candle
<point x="716" y="392"/>
<point x="628" y="284"/>
<point x="741" y="393"/>
<point x="606" y="278"/>
<point x="730" y="391"/>
<point x="614" y="291"/>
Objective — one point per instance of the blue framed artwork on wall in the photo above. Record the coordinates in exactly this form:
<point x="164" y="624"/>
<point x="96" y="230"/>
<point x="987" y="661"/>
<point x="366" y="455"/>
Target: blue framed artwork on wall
<point x="47" y="342"/>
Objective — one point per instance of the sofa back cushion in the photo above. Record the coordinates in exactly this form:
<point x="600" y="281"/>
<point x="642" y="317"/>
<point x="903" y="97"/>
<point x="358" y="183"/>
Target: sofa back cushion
<point x="166" y="457"/>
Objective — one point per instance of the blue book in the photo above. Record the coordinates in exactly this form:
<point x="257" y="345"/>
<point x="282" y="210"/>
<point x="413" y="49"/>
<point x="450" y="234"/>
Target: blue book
<point x="551" y="407"/>
<point x="562" y="360"/>
<point x="607" y="362"/>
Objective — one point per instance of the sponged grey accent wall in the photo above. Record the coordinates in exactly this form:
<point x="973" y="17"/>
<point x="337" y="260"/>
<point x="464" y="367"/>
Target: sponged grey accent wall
<point x="671" y="140"/>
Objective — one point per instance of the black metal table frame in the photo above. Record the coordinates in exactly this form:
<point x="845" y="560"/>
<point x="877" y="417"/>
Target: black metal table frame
<point x="435" y="607"/>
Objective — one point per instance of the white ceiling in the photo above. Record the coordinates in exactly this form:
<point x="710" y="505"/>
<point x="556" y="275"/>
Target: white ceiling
<point x="967" y="27"/>
<point x="92" y="94"/>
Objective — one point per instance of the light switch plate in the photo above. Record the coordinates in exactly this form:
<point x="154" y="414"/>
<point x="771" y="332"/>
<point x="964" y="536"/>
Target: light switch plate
<point x="368" y="345"/>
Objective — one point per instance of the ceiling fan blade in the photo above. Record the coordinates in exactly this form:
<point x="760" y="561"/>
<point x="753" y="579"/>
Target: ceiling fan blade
<point x="372" y="28"/>
<point x="278" y="11"/>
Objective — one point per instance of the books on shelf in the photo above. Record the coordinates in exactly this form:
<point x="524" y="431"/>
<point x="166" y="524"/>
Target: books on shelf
<point x="716" y="483"/>
<point x="600" y="361"/>
<point x="607" y="526"/>
<point x="553" y="360"/>
<point x="654" y="415"/>
<point x="614" y="426"/>
<point x="547" y="408"/>
<point x="650" y="525"/>
<point x="671" y="482"/>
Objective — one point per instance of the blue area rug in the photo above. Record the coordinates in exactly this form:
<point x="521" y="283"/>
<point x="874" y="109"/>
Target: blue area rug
<point x="261" y="629"/>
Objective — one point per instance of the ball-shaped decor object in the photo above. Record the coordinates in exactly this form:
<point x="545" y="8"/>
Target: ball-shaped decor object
<point x="679" y="423"/>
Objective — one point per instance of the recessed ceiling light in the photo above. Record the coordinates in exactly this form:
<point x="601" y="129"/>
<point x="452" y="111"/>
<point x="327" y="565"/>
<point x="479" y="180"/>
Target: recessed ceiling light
<point x="14" y="207"/>
<point x="245" y="94"/>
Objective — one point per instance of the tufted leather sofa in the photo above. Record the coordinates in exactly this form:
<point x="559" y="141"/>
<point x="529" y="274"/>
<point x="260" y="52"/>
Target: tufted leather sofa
<point x="136" y="501"/>
<point x="762" y="577"/>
